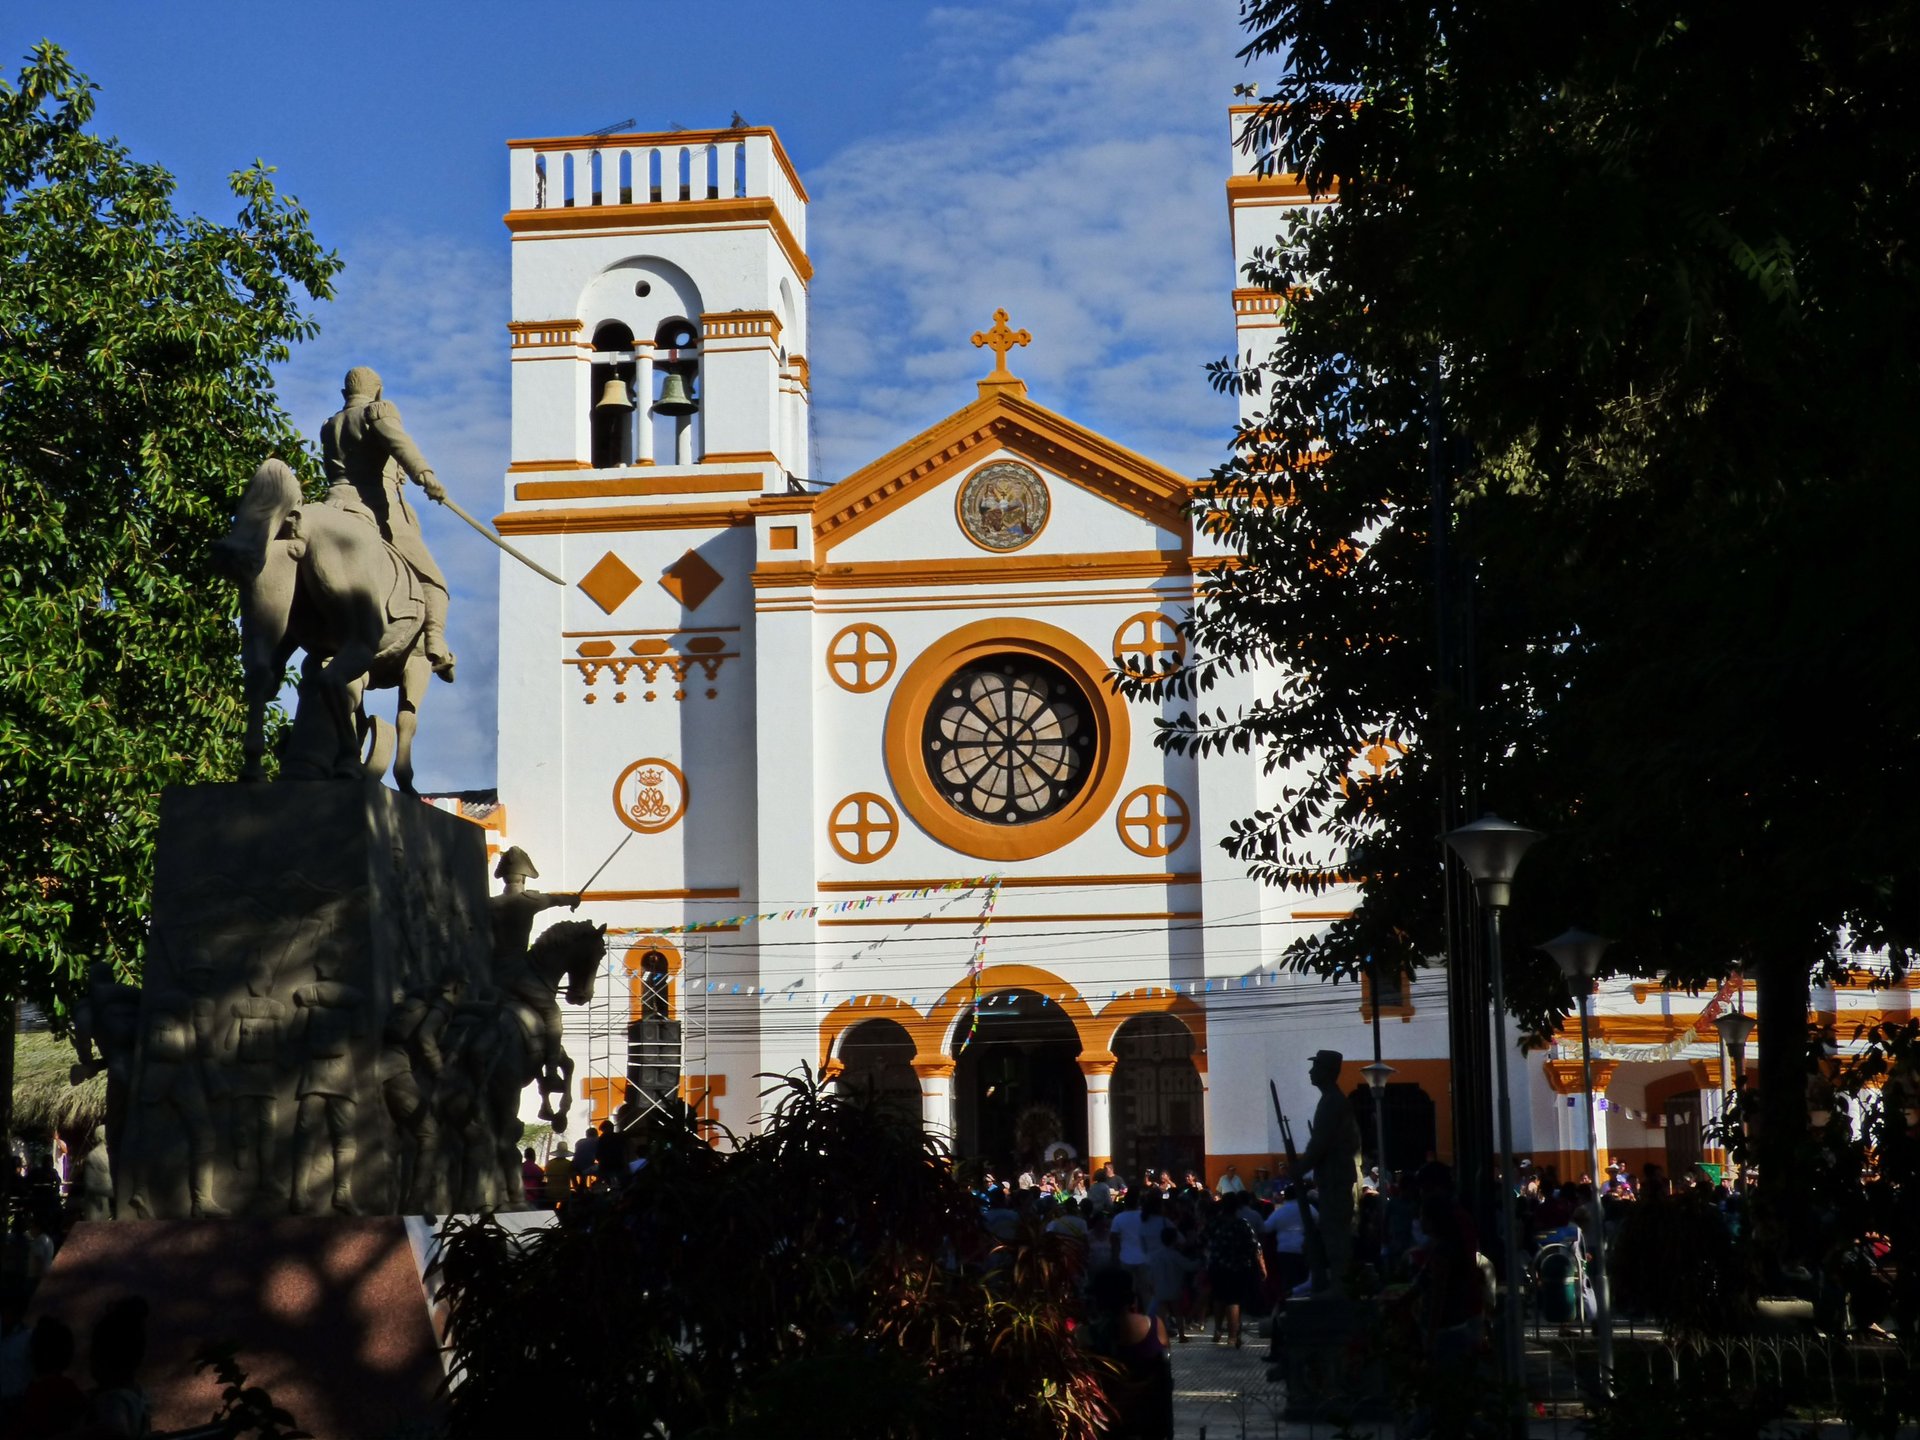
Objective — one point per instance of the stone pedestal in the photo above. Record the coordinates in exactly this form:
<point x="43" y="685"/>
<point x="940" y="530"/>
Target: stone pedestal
<point x="1329" y="1376"/>
<point x="288" y="920"/>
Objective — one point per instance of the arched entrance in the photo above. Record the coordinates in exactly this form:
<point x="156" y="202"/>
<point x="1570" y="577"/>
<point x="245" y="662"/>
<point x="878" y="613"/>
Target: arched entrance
<point x="1017" y="1080"/>
<point x="1412" y="1132"/>
<point x="1158" y="1114"/>
<point x="876" y="1058"/>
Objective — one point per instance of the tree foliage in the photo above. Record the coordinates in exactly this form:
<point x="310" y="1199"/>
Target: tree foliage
<point x="135" y="396"/>
<point x="1637" y="283"/>
<point x="828" y="1275"/>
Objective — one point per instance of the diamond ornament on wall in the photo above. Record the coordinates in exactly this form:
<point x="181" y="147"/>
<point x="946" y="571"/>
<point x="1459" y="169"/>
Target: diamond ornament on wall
<point x="690" y="580"/>
<point x="609" y="582"/>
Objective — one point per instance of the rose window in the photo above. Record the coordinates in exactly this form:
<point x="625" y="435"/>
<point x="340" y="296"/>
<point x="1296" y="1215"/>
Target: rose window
<point x="1008" y="739"/>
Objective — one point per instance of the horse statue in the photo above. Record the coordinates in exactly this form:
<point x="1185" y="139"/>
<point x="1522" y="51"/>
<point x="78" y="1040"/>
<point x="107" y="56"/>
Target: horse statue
<point x="496" y="1048"/>
<point x="321" y="579"/>
<point x="568" y="952"/>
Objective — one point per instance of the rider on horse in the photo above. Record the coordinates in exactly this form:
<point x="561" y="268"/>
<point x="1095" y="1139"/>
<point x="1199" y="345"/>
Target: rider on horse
<point x="368" y="454"/>
<point x="511" y="913"/>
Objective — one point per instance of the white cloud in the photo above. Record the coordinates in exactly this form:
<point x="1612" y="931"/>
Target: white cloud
<point x="1076" y="179"/>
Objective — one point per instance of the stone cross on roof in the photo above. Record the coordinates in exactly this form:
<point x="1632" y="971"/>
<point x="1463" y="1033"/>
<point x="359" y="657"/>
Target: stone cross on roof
<point x="1000" y="338"/>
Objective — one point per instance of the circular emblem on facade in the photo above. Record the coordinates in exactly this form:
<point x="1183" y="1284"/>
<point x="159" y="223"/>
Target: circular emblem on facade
<point x="1147" y="644"/>
<point x="1003" y="506"/>
<point x="861" y="657"/>
<point x="650" y="795"/>
<point x="863" y="827"/>
<point x="1152" y="821"/>
<point x="1008" y="739"/>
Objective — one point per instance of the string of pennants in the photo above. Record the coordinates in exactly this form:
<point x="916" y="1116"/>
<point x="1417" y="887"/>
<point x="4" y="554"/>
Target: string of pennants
<point x="991" y="883"/>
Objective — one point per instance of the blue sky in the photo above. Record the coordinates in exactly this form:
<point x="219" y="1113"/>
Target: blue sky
<point x="1063" y="158"/>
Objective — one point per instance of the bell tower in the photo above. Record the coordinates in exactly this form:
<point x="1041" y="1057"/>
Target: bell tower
<point x="659" y="304"/>
<point x="658" y="349"/>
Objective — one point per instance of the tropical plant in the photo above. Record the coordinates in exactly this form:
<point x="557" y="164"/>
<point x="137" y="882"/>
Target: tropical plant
<point x="827" y="1274"/>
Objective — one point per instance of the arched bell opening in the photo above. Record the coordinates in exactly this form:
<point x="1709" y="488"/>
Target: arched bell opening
<point x="876" y="1058"/>
<point x="675" y="404"/>
<point x="1159" y="1114"/>
<point x="1017" y="1089"/>
<point x="611" y="419"/>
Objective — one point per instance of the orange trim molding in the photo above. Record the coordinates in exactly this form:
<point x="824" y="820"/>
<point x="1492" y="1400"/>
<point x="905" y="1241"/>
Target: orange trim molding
<point x="637" y="485"/>
<point x="920" y="795"/>
<point x="621" y="518"/>
<point x="1016" y="882"/>
<point x="563" y="219"/>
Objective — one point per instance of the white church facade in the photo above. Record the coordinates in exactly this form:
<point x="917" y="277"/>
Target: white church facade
<point x="844" y="761"/>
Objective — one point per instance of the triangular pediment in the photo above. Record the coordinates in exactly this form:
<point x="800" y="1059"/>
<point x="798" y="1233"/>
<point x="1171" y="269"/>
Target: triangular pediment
<point x="999" y="420"/>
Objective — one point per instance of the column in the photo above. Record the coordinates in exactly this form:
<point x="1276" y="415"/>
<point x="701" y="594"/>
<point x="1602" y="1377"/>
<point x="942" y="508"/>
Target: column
<point x="936" y="1096"/>
<point x="1711" y="1076"/>
<point x="1097" y="1067"/>
<point x="643" y="388"/>
<point x="1565" y="1078"/>
<point x="683" y="439"/>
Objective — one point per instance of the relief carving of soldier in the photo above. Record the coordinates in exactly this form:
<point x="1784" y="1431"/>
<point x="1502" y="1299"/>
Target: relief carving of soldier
<point x="108" y="1020"/>
<point x="411" y="1064"/>
<point x="257" y="1024"/>
<point x="512" y="912"/>
<point x="177" y="1039"/>
<point x="329" y="1021"/>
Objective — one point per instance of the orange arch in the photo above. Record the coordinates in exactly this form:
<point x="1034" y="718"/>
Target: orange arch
<point x="1152" y="1000"/>
<point x="861" y="1008"/>
<point x="995" y="978"/>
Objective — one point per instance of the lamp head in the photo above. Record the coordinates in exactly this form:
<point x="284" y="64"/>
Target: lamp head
<point x="1491" y="848"/>
<point x="1378" y="1073"/>
<point x="1577" y="953"/>
<point x="1734" y="1027"/>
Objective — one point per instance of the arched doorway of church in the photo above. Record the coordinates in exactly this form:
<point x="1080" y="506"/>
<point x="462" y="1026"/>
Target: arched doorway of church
<point x="1412" y="1135"/>
<point x="1158" y="1115"/>
<point x="1016" y="1087"/>
<point x="877" y="1060"/>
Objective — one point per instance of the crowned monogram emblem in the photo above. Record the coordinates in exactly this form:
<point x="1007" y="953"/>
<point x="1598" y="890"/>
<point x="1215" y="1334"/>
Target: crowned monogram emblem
<point x="650" y="795"/>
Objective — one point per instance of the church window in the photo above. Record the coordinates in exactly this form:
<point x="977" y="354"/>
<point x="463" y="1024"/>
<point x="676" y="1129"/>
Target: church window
<point x="612" y="414"/>
<point x="1008" y="739"/>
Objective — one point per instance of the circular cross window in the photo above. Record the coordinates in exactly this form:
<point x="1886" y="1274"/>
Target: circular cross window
<point x="1008" y="739"/>
<point x="1000" y="741"/>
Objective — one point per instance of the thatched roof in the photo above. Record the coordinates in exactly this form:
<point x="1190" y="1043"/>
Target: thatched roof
<point x="43" y="1097"/>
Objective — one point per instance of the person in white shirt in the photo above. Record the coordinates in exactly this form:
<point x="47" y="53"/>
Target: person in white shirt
<point x="1286" y="1227"/>
<point x="1136" y="1221"/>
<point x="1230" y="1183"/>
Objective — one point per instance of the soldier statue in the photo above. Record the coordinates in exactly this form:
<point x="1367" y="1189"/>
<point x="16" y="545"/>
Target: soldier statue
<point x="368" y="454"/>
<point x="177" y="1039"/>
<point x="329" y="1097"/>
<point x="108" y="1020"/>
<point x="411" y="1063"/>
<point x="1332" y="1157"/>
<point x="512" y="912"/>
<point x="256" y="1024"/>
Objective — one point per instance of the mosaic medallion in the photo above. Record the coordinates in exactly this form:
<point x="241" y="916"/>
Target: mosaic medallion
<point x="1003" y="506"/>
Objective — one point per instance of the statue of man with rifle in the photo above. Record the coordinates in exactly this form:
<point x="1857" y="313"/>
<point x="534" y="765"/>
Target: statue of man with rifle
<point x="1332" y="1158"/>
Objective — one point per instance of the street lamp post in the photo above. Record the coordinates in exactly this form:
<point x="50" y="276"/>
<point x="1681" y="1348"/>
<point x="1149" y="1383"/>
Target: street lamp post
<point x="1491" y="849"/>
<point x="1378" y="1081"/>
<point x="1735" y="1026"/>
<point x="1378" y="1073"/>
<point x="1578" y="954"/>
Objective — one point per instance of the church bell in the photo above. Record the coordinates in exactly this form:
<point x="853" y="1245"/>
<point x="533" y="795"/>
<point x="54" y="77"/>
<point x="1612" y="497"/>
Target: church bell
<point x="675" y="397"/>
<point x="613" y="396"/>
